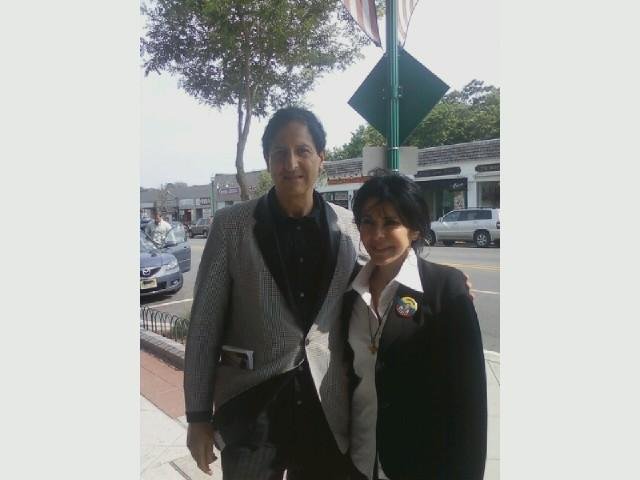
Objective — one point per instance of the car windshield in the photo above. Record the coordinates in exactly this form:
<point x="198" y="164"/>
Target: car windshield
<point x="176" y="235"/>
<point x="146" y="245"/>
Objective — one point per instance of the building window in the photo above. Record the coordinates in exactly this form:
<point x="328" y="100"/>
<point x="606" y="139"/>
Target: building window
<point x="489" y="194"/>
<point x="337" y="198"/>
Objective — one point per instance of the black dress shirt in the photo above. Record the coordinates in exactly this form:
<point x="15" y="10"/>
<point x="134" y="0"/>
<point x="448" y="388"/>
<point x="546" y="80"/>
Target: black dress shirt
<point x="302" y="250"/>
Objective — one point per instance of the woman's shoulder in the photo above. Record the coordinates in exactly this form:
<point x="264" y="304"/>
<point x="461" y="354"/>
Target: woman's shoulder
<point x="446" y="280"/>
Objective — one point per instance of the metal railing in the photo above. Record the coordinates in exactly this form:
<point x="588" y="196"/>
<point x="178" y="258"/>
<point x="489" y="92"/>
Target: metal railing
<point x="163" y="323"/>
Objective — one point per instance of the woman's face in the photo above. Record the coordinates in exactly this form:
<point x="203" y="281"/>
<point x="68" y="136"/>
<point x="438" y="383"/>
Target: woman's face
<point x="294" y="163"/>
<point x="384" y="236"/>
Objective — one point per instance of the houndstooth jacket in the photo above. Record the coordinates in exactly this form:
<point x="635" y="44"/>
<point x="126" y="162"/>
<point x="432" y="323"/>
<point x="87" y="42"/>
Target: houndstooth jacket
<point x="237" y="303"/>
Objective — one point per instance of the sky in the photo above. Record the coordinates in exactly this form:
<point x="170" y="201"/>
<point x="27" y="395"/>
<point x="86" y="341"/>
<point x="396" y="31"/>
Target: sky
<point x="183" y="140"/>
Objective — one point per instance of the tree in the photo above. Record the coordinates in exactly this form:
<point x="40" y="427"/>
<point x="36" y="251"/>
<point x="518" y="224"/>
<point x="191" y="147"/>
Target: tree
<point x="165" y="201"/>
<point x="256" y="55"/>
<point x="265" y="182"/>
<point x="472" y="113"/>
<point x="363" y="136"/>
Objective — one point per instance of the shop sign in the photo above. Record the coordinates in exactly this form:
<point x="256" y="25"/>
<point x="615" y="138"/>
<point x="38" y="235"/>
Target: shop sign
<point x="341" y="196"/>
<point x="439" y="172"/>
<point x="229" y="191"/>
<point x="491" y="167"/>
<point x="205" y="201"/>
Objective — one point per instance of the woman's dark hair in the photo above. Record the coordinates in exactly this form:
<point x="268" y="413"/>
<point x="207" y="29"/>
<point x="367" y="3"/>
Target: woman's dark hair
<point x="287" y="115"/>
<point x="403" y="193"/>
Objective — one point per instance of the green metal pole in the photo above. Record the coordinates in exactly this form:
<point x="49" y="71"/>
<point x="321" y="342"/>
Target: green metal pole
<point x="393" y="152"/>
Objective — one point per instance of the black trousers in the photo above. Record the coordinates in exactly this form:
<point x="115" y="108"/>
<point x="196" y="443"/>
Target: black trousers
<point x="294" y="436"/>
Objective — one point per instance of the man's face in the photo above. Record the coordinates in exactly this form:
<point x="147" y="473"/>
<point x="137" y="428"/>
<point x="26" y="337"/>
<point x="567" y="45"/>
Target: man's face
<point x="157" y="218"/>
<point x="294" y="163"/>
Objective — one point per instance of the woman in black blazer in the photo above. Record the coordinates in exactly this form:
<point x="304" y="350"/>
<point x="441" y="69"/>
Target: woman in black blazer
<point x="419" y="402"/>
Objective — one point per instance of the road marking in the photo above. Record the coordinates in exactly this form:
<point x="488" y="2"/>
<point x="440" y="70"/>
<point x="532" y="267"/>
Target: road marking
<point x="492" y="268"/>
<point x="488" y="292"/>
<point x="485" y="291"/>
<point x="170" y="303"/>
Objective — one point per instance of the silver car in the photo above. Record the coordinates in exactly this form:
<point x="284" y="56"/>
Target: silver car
<point x="478" y="225"/>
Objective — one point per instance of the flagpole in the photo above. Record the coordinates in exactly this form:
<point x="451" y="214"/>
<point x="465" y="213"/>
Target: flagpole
<point x="393" y="153"/>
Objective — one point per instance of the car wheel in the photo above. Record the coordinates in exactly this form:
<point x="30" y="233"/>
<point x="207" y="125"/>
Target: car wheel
<point x="447" y="243"/>
<point x="482" y="238"/>
<point x="430" y="238"/>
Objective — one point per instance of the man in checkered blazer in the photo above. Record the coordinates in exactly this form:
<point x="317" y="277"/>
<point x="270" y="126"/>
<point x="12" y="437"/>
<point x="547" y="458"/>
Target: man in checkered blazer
<point x="265" y="378"/>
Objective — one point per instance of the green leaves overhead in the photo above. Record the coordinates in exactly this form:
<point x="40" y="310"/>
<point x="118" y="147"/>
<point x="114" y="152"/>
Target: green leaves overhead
<point x="271" y="51"/>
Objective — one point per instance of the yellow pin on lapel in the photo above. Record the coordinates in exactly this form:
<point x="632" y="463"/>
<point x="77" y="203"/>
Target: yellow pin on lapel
<point x="406" y="306"/>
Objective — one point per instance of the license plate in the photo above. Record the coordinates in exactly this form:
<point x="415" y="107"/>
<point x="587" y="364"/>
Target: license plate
<point x="147" y="283"/>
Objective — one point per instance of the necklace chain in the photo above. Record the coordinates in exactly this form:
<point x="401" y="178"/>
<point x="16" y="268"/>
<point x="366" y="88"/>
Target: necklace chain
<point x="373" y="346"/>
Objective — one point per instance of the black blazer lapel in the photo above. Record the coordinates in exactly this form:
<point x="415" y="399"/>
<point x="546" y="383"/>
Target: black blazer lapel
<point x="268" y="243"/>
<point x="333" y="241"/>
<point x="399" y="327"/>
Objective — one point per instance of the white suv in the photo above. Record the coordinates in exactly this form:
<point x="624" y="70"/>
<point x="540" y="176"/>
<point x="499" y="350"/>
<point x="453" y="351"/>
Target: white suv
<point x="479" y="225"/>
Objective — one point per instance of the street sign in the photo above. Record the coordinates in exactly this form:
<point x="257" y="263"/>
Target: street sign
<point x="420" y="91"/>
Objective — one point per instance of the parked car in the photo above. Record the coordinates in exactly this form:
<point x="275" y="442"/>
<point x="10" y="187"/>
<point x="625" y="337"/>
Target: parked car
<point x="177" y="244"/>
<point x="201" y="227"/>
<point x="478" y="225"/>
<point x="159" y="271"/>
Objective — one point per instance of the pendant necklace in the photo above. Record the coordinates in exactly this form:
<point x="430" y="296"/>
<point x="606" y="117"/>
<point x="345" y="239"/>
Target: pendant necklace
<point x="373" y="346"/>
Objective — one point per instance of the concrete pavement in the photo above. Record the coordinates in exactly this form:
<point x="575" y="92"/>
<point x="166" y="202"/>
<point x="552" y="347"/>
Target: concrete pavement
<point x="164" y="455"/>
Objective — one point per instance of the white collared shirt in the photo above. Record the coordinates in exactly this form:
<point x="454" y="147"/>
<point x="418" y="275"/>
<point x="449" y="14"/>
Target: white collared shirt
<point x="362" y="327"/>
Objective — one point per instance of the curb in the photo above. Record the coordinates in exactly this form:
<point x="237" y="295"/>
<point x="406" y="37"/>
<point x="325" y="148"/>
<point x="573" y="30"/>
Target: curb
<point x="168" y="350"/>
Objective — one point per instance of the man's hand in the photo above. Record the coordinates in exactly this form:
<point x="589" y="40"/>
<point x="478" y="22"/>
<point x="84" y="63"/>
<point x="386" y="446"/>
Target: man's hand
<point x="469" y="285"/>
<point x="200" y="444"/>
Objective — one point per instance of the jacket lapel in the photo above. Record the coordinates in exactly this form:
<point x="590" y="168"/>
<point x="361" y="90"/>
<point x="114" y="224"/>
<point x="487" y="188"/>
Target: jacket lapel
<point x="333" y="242"/>
<point x="399" y="326"/>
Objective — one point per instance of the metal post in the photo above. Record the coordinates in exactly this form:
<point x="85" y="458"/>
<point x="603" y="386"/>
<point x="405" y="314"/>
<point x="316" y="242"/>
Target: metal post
<point x="393" y="153"/>
<point x="213" y="194"/>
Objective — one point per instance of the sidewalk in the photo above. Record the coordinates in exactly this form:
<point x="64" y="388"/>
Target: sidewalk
<point x="163" y="426"/>
<point x="163" y="429"/>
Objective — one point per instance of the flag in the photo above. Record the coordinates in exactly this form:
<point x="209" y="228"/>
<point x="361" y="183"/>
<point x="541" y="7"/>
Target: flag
<point x="405" y="10"/>
<point x="364" y="13"/>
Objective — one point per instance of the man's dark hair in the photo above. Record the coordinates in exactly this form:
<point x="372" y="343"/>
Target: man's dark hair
<point x="287" y="115"/>
<point x="400" y="191"/>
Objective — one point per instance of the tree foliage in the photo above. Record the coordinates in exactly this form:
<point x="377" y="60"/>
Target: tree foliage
<point x="256" y="55"/>
<point x="472" y="113"/>
<point x="265" y="182"/>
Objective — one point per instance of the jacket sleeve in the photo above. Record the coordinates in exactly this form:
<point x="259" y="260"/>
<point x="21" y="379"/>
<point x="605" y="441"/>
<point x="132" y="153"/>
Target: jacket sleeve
<point x="207" y="320"/>
<point x="467" y="424"/>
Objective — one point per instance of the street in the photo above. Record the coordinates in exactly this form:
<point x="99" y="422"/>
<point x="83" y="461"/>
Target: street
<point x="482" y="265"/>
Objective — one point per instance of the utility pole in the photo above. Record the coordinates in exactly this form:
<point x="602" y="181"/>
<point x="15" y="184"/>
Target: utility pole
<point x="393" y="147"/>
<point x="213" y="194"/>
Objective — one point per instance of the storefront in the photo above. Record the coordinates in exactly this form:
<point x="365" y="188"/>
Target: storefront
<point x="443" y="195"/>
<point x="487" y="179"/>
<point x="337" y="198"/>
